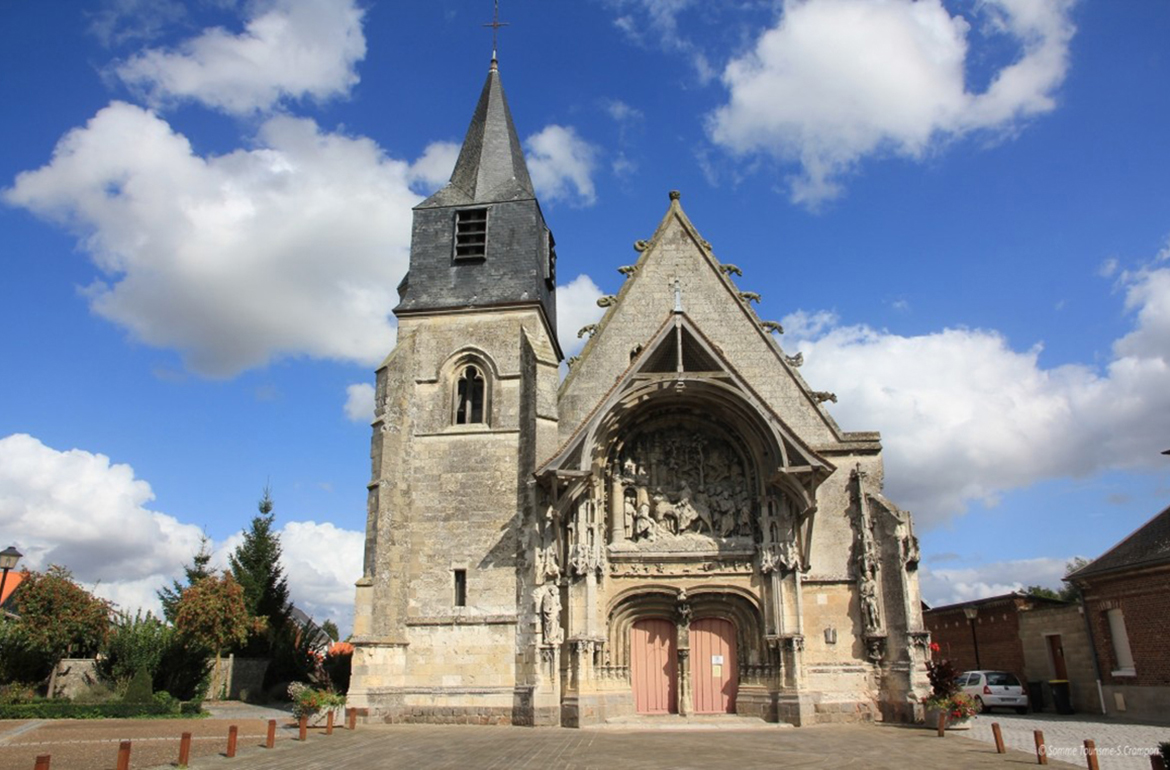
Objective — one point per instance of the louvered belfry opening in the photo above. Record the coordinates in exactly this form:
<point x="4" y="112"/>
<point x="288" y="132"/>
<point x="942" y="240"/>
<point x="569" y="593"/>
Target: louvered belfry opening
<point x="471" y="233"/>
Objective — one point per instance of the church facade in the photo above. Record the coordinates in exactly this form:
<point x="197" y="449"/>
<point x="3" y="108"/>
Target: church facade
<point x="677" y="527"/>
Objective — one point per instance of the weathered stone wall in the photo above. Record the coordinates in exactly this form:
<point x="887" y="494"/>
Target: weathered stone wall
<point x="452" y="497"/>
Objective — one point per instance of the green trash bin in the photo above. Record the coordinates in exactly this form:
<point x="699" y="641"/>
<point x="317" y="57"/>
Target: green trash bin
<point x="1061" y="696"/>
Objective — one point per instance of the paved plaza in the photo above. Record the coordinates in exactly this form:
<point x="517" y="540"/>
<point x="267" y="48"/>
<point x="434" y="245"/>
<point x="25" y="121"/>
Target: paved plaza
<point x="93" y="745"/>
<point x="1120" y="746"/>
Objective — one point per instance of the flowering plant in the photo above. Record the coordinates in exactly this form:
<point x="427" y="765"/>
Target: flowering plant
<point x="945" y="695"/>
<point x="307" y="701"/>
<point x="957" y="706"/>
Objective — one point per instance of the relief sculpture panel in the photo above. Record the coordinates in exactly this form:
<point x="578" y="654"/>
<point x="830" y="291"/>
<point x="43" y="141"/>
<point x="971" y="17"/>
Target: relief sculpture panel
<point x="681" y="488"/>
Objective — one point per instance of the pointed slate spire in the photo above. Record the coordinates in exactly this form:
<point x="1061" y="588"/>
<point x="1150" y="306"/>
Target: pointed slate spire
<point x="491" y="164"/>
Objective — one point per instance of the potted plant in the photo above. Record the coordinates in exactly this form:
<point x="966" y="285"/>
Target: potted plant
<point x="945" y="697"/>
<point x="315" y="704"/>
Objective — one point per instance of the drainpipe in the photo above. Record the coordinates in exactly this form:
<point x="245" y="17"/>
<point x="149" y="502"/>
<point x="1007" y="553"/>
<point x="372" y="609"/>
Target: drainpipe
<point x="1092" y="650"/>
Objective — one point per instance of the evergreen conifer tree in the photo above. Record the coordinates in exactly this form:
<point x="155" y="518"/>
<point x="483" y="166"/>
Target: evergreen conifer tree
<point x="196" y="571"/>
<point x="256" y="567"/>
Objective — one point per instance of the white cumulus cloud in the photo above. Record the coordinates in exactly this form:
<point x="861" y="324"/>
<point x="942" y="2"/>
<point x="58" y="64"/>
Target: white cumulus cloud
<point x="576" y="307"/>
<point x="562" y="164"/>
<point x="77" y="509"/>
<point x="359" y="402"/>
<point x="951" y="585"/>
<point x="966" y="417"/>
<point x="835" y="81"/>
<point x="289" y="49"/>
<point x="291" y="248"/>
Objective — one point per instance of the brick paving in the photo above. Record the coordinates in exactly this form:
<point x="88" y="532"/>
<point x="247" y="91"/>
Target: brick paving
<point x="1120" y="746"/>
<point x="872" y="747"/>
<point x="92" y="744"/>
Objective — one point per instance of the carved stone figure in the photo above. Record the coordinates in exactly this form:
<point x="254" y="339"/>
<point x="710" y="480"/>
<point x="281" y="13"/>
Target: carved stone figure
<point x="550" y="614"/>
<point x="645" y="527"/>
<point x="870" y="613"/>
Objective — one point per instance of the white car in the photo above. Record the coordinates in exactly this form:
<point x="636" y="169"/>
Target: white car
<point x="994" y="689"/>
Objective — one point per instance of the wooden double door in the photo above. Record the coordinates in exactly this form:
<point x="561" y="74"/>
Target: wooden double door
<point x="654" y="666"/>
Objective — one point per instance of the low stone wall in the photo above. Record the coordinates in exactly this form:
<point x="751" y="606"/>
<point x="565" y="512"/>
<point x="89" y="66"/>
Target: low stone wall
<point x="74" y="677"/>
<point x="237" y="678"/>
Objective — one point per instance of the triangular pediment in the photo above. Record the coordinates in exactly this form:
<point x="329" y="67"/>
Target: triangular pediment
<point x="678" y="272"/>
<point x="680" y="362"/>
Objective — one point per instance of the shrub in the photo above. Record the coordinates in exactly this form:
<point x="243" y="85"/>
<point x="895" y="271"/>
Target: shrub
<point x="307" y="701"/>
<point x="134" y="644"/>
<point x="139" y="690"/>
<point x="64" y="709"/>
<point x="338" y="666"/>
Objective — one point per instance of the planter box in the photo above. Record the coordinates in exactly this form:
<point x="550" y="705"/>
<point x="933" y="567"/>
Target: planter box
<point x="952" y="724"/>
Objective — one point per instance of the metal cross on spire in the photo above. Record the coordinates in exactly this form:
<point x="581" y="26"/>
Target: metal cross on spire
<point x="495" y="25"/>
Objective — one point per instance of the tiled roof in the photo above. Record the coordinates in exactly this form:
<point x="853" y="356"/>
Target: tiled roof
<point x="1147" y="546"/>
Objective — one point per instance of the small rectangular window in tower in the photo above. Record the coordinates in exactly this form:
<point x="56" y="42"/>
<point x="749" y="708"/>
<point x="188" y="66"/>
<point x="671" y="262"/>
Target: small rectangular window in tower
<point x="460" y="588"/>
<point x="471" y="234"/>
<point x="550" y="266"/>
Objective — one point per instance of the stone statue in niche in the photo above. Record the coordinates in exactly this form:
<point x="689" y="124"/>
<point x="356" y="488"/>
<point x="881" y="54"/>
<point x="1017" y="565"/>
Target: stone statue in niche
<point x="545" y="554"/>
<point x="676" y="482"/>
<point x="550" y="614"/>
<point x="870" y="613"/>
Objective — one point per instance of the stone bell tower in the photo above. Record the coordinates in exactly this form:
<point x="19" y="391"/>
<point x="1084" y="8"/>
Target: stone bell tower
<point x="466" y="406"/>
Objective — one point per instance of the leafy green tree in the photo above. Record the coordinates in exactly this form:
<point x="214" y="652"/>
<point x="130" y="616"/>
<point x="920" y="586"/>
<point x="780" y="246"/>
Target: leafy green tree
<point x="330" y="629"/>
<point x="58" y="617"/>
<point x="136" y="643"/>
<point x="212" y="614"/>
<point x="256" y="567"/>
<point x="196" y="571"/>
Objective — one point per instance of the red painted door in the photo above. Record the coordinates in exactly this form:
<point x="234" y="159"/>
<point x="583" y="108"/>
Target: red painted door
<point x="713" y="664"/>
<point x="652" y="666"/>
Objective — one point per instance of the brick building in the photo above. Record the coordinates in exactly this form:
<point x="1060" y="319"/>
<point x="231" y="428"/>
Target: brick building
<point x="1126" y="595"/>
<point x="991" y="625"/>
<point x="679" y="526"/>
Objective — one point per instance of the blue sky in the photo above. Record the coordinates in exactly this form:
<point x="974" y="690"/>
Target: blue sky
<point x="959" y="212"/>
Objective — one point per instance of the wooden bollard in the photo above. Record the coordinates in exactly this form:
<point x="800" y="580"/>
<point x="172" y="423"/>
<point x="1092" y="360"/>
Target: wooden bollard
<point x="233" y="736"/>
<point x="995" y="731"/>
<point x="942" y="725"/>
<point x="124" y="755"/>
<point x="304" y="728"/>
<point x="1041" y="749"/>
<point x="329" y="723"/>
<point x="1091" y="755"/>
<point x="271" y="740"/>
<point x="44" y="759"/>
<point x="352" y="714"/>
<point x="185" y="750"/>
<point x="1156" y="762"/>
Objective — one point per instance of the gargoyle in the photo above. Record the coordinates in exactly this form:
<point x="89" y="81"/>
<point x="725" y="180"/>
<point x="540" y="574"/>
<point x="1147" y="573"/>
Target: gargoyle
<point x="731" y="269"/>
<point x="771" y="326"/>
<point x="607" y="300"/>
<point x="628" y="270"/>
<point x="749" y="296"/>
<point x="641" y="245"/>
<point x="795" y="361"/>
<point x="822" y="396"/>
<point x="587" y="329"/>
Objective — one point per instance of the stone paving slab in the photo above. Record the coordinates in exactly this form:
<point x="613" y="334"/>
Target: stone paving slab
<point x="868" y="747"/>
<point x="1120" y="746"/>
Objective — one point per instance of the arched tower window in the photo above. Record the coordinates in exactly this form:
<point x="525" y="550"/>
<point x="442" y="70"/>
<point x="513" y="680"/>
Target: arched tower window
<point x="469" y="397"/>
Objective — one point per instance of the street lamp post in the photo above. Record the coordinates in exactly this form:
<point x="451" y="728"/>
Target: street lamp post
<point x="8" y="559"/>
<point x="972" y="613"/>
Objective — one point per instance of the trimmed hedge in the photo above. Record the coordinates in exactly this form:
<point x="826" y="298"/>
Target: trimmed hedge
<point x="62" y="709"/>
